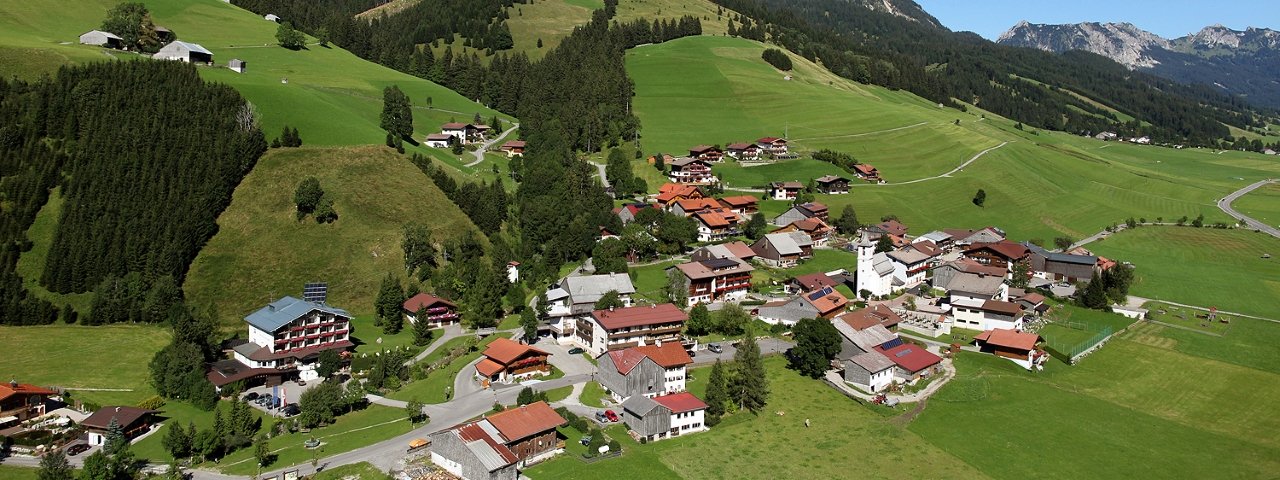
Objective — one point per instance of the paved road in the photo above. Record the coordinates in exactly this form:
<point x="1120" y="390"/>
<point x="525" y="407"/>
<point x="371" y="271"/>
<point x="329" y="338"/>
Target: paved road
<point x="600" y="168"/>
<point x="768" y="346"/>
<point x="484" y="147"/>
<point x="1225" y="205"/>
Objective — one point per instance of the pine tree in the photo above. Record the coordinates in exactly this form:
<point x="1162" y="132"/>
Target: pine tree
<point x="54" y="466"/>
<point x="115" y="442"/>
<point x="529" y="324"/>
<point x="397" y="113"/>
<point x="717" y="393"/>
<point x="848" y="222"/>
<point x="421" y="328"/>
<point x="749" y="388"/>
<point x="175" y="441"/>
<point x="389" y="303"/>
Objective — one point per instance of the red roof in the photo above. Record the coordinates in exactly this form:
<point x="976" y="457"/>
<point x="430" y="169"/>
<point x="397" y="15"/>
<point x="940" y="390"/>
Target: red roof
<point x="828" y="303"/>
<point x="1004" y="248"/>
<point x="453" y="126"/>
<point x="1004" y="337"/>
<point x="8" y="390"/>
<point x="690" y="205"/>
<point x="716" y="218"/>
<point x="637" y="316"/>
<point x="970" y="266"/>
<point x="742" y="146"/>
<point x="814" y="281"/>
<point x="871" y="316"/>
<point x="740" y="250"/>
<point x="513" y="144"/>
<point x="425" y="300"/>
<point x="680" y="402"/>
<point x="505" y="350"/>
<point x="912" y="358"/>
<point x="739" y="201"/>
<point x="526" y="420"/>
<point x="770" y="140"/>
<point x="488" y="367"/>
<point x="893" y="227"/>
<point x="865" y="169"/>
<point x="672" y="191"/>
<point x="669" y="355"/>
<point x="472" y="432"/>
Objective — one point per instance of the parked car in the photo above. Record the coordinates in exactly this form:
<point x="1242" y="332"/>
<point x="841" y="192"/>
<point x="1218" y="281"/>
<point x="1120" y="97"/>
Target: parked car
<point x="576" y="351"/>
<point x="613" y="417"/>
<point x="77" y="449"/>
<point x="586" y="440"/>
<point x="290" y="410"/>
<point x="715" y="348"/>
<point x="600" y="417"/>
<point x="251" y="396"/>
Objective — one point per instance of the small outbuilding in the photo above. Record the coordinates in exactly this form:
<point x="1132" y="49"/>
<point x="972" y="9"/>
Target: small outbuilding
<point x="272" y="17"/>
<point x="236" y="65"/>
<point x="184" y="51"/>
<point x="101" y="38"/>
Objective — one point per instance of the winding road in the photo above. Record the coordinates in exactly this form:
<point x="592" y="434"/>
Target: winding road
<point x="484" y="147"/>
<point x="1225" y="205"/>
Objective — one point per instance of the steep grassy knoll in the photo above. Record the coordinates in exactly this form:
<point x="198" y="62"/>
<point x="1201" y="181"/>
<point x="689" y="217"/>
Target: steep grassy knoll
<point x="261" y="251"/>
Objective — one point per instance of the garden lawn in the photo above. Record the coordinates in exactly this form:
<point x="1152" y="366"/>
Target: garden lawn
<point x="351" y="431"/>
<point x="431" y="389"/>
<point x="593" y="395"/>
<point x="74" y="356"/>
<point x="1127" y="411"/>
<point x="180" y="413"/>
<point x="1200" y="266"/>
<point x="650" y="280"/>
<point x="361" y="471"/>
<point x="559" y="394"/>
<point x="367" y="336"/>
<point x="19" y="473"/>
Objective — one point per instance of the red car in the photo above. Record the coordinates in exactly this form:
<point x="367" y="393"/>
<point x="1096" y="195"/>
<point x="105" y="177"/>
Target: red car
<point x="613" y="417"/>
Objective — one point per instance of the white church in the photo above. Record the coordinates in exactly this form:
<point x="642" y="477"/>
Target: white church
<point x="875" y="270"/>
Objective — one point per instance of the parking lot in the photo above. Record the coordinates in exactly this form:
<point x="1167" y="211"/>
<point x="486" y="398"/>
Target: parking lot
<point x="265" y="398"/>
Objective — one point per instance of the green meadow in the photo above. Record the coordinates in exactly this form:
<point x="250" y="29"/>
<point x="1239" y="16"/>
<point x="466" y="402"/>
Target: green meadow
<point x="108" y="357"/>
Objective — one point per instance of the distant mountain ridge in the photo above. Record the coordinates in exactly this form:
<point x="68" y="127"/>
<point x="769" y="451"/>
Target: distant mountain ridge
<point x="1245" y="63"/>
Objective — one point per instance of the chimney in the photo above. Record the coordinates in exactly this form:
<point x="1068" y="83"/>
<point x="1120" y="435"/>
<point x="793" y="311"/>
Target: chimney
<point x="117" y="409"/>
<point x="13" y="383"/>
<point x="610" y="308"/>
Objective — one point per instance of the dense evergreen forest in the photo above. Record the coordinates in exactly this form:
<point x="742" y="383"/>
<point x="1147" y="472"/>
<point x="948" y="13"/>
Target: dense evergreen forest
<point x="883" y="49"/>
<point x="147" y="156"/>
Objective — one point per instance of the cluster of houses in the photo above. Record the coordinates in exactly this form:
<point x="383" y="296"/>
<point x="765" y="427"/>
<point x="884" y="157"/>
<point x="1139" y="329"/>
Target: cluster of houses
<point x="172" y="50"/>
<point x="1109" y="136"/>
<point x="695" y="169"/>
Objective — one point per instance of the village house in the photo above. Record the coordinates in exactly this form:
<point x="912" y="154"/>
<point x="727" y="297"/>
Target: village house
<point x="744" y="205"/>
<point x="743" y="151"/>
<point x="891" y="227"/>
<point x="716" y="280"/>
<point x="827" y="302"/>
<point x="627" y="212"/>
<point x="941" y="240"/>
<point x="999" y="254"/>
<point x="858" y="336"/>
<point x="736" y="250"/>
<point x="20" y="402"/>
<point x="909" y="266"/>
<point x="819" y="232"/>
<point x="576" y="297"/>
<point x="1018" y="347"/>
<point x="666" y="159"/>
<point x="102" y="39"/>
<point x="286" y="338"/>
<point x="707" y="152"/>
<point x="824" y="302"/>
<point x="809" y="282"/>
<point x="832" y="184"/>
<point x="785" y="190"/>
<point x="687" y="207"/>
<point x="670" y="193"/>
<point x="783" y="250"/>
<point x="465" y="133"/>
<point x="913" y="361"/>
<point x="875" y="269"/>
<point x="1030" y="301"/>
<point x="694" y="171"/>
<point x="801" y="212"/>
<point x="132" y="421"/>
<point x="867" y="172"/>
<point x="963" y="238"/>
<point x="773" y="146"/>
<point x="986" y="314"/>
<point x="868" y="317"/>
<point x="1064" y="267"/>
<point x="271" y="17"/>
<point x="496" y="446"/>
<point x="618" y="328"/>
<point x="440" y="140"/>
<point x="965" y="279"/>
<point x="647" y="371"/>
<point x="439" y="312"/>
<point x="665" y="416"/>
<point x="513" y="148"/>
<point x="1105" y="136"/>
<point x="508" y="361"/>
<point x="870" y="371"/>
<point x="184" y="51"/>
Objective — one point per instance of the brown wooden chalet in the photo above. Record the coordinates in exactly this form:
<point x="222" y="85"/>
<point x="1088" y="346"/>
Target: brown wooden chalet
<point x="506" y="360"/>
<point x="832" y="184"/>
<point x="707" y="152"/>
<point x="439" y="312"/>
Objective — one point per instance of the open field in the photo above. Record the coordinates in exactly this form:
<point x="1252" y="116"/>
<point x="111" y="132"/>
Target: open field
<point x="1201" y="266"/>
<point x="1039" y="185"/>
<point x="261" y="252"/>
<point x="1127" y="411"/>
<point x="18" y="473"/>
<point x="73" y="356"/>
<point x="313" y="100"/>
<point x="773" y="446"/>
<point x="1073" y="325"/>
<point x="31" y="262"/>
<point x="548" y="20"/>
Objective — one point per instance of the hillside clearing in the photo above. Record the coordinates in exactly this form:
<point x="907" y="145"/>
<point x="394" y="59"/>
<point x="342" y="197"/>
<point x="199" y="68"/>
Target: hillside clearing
<point x="74" y="356"/>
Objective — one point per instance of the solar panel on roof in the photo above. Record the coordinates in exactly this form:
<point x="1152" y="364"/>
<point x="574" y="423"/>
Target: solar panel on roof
<point x="903" y="353"/>
<point x="718" y="263"/>
<point x="821" y="293"/>
<point x="316" y="292"/>
<point x="891" y="343"/>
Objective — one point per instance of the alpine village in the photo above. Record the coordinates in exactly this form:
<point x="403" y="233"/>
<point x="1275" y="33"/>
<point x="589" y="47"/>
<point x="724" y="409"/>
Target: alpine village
<point x="617" y="239"/>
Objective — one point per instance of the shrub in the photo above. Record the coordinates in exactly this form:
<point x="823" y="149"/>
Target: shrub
<point x="152" y="403"/>
<point x="777" y="58"/>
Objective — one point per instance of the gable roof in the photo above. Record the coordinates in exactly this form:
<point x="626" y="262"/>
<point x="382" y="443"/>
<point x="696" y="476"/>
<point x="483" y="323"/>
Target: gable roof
<point x="680" y="402"/>
<point x="8" y="390"/>
<point x="927" y="247"/>
<point x="683" y="161"/>
<point x="973" y="283"/>
<point x="424" y="300"/>
<point x="280" y="312"/>
<point x="873" y="361"/>
<point x="454" y="126"/>
<point x="740" y="249"/>
<point x="826" y="300"/>
<point x="829" y="178"/>
<point x="881" y="263"/>
<point x="589" y="288"/>
<point x="767" y="140"/>
<point x="936" y="236"/>
<point x="637" y="316"/>
<point x="814" y="281"/>
<point x="893" y="227"/>
<point x="708" y="268"/>
<point x="784" y="243"/>
<point x="482" y="444"/>
<point x="703" y="149"/>
<point x="998" y="306"/>
<point x="969" y="266"/>
<point x="866" y="338"/>
<point x="668" y="355"/>
<point x="521" y="422"/>
<point x="1004" y="248"/>
<point x="912" y="358"/>
<point x="438" y="136"/>
<point x="505" y="350"/>
<point x="512" y="144"/>
<point x="194" y="47"/>
<point x="641" y="405"/>
<point x="1003" y="337"/>
<point x="792" y="185"/>
<point x="739" y="200"/>
<point x="1061" y="257"/>
<point x="909" y="256"/>
<point x="865" y="168"/>
<point x="690" y="205"/>
<point x="742" y="146"/>
<point x="671" y="191"/>
<point x="105" y="34"/>
<point x="123" y="415"/>
<point x="871" y="316"/>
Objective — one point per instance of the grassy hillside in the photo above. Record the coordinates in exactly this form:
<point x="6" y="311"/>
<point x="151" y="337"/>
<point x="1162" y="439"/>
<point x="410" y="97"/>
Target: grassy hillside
<point x="112" y="357"/>
<point x="547" y="20"/>
<point x="1039" y="184"/>
<point x="261" y="252"/>
<point x="332" y="96"/>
